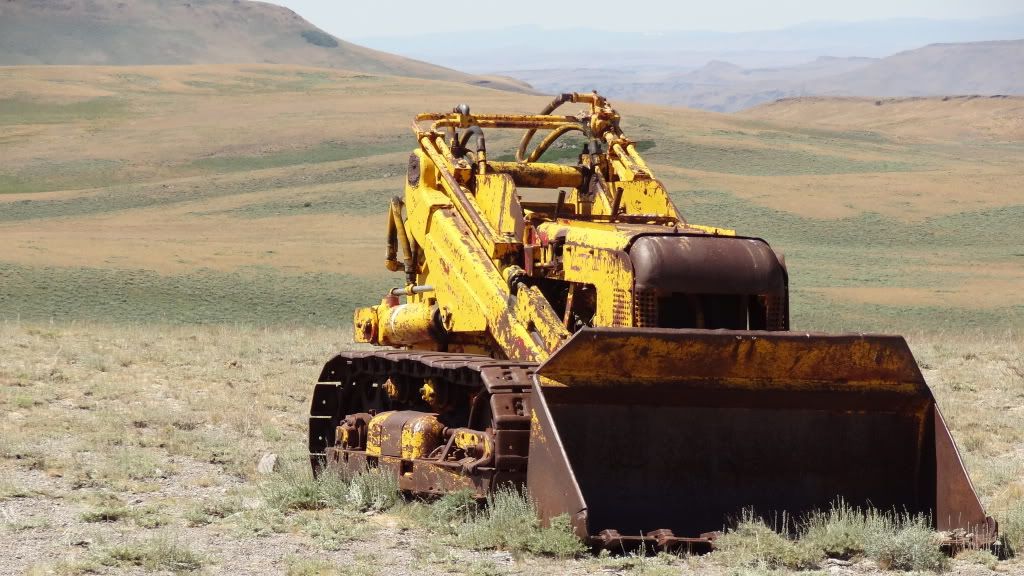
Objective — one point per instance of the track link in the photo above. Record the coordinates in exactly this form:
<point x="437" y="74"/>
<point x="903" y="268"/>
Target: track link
<point x="479" y="393"/>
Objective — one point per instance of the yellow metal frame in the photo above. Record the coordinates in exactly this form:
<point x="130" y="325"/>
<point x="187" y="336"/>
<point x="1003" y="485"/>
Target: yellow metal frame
<point x="465" y="234"/>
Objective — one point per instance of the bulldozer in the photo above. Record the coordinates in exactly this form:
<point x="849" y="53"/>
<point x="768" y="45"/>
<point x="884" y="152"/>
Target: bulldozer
<point x="561" y="327"/>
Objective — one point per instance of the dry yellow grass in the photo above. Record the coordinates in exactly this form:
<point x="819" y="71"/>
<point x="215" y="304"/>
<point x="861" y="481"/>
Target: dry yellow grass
<point x="176" y="169"/>
<point x="180" y="239"/>
<point x="176" y="117"/>
<point x="139" y="443"/>
<point x="997" y="119"/>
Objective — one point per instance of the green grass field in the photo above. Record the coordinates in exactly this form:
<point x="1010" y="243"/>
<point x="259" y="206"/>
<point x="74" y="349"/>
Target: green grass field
<point x="940" y="253"/>
<point x="252" y="296"/>
<point x="881" y="231"/>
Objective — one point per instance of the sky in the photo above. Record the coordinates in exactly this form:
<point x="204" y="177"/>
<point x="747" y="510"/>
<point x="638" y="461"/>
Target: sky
<point x="355" y="19"/>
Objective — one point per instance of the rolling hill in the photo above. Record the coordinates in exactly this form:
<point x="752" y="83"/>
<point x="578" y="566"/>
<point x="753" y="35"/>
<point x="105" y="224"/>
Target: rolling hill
<point x="938" y="69"/>
<point x="977" y="68"/>
<point x="146" y="32"/>
<point x="962" y="118"/>
<point x="262" y="187"/>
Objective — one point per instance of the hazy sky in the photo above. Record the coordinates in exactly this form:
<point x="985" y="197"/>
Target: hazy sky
<point x="354" y="19"/>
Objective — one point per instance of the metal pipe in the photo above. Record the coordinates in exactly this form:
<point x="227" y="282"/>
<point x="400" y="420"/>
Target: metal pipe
<point x="549" y="140"/>
<point x="407" y="324"/>
<point x="396" y="218"/>
<point x="558" y="101"/>
<point x="456" y="118"/>
<point x="391" y="260"/>
<point x="632" y="161"/>
<point x="626" y="158"/>
<point x="521" y="122"/>
<point x="635" y="155"/>
<point x="568" y="305"/>
<point x="541" y="174"/>
<point x="422" y="289"/>
<point x="481" y="142"/>
<point x="598" y="181"/>
<point x="480" y="156"/>
<point x="593" y="99"/>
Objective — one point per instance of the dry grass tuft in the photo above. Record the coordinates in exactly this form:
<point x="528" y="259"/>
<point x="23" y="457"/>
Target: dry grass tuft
<point x="893" y="541"/>
<point x="509" y="522"/>
<point x="753" y="544"/>
<point x="374" y="490"/>
<point x="982" y="557"/>
<point x="1011" y="525"/>
<point x="293" y="487"/>
<point x="210" y="511"/>
<point x="361" y="565"/>
<point x="898" y="542"/>
<point x="159" y="553"/>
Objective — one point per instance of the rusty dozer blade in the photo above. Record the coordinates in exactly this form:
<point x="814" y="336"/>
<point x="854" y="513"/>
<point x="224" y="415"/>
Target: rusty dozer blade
<point x="661" y="436"/>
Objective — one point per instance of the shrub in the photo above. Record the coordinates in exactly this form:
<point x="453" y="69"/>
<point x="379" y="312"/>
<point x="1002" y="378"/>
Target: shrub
<point x="374" y="490"/>
<point x="155" y="554"/>
<point x="510" y="522"/>
<point x="332" y="530"/>
<point x="212" y="510"/>
<point x="557" y="539"/>
<point x="311" y="567"/>
<point x="106" y="514"/>
<point x="638" y="563"/>
<point x="294" y="488"/>
<point x="982" y="557"/>
<point x="839" y="532"/>
<point x="260" y="522"/>
<point x="1011" y="525"/>
<point x="150" y="517"/>
<point x="451" y="511"/>
<point x="903" y="542"/>
<point x="893" y="541"/>
<point x="754" y="544"/>
<point x="320" y="38"/>
<point x="145" y="517"/>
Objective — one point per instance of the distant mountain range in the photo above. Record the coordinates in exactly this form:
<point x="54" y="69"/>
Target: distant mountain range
<point x="533" y="47"/>
<point x="710" y="70"/>
<point x="734" y="71"/>
<point x="936" y="70"/>
<point x="131" y="32"/>
<point x="984" y="68"/>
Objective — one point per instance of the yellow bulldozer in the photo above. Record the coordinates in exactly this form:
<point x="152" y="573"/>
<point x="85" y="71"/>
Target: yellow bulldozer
<point x="562" y="327"/>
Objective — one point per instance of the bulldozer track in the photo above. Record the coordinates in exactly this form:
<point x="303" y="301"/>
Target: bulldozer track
<point x="498" y="392"/>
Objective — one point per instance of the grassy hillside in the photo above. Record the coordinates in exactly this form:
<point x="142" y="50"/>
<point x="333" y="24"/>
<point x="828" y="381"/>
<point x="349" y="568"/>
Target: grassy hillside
<point x="976" y="120"/>
<point x="134" y="32"/>
<point x="256" y="194"/>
